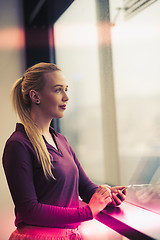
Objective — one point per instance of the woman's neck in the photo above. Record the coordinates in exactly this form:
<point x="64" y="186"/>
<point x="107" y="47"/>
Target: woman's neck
<point x="42" y="122"/>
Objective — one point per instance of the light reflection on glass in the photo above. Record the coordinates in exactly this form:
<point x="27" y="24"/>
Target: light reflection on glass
<point x="136" y="51"/>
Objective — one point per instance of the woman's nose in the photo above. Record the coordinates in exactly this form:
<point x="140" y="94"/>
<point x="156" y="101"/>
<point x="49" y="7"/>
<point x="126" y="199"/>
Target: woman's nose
<point x="65" y="97"/>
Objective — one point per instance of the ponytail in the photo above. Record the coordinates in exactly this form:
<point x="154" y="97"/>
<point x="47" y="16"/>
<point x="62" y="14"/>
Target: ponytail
<point x="33" y="79"/>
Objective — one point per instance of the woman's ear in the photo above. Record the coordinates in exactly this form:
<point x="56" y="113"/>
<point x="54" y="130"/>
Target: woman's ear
<point x="34" y="96"/>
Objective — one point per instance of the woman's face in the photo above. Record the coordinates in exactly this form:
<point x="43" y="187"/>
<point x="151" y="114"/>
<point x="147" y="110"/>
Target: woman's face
<point x="53" y="97"/>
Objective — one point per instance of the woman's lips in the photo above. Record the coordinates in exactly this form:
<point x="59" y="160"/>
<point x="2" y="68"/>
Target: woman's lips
<point x="63" y="107"/>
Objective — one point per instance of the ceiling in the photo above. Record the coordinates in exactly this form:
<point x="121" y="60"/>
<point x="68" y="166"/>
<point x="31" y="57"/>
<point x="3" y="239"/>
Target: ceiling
<point x="43" y="12"/>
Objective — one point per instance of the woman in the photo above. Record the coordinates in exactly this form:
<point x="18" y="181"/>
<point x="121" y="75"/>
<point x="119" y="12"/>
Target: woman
<point x="43" y="173"/>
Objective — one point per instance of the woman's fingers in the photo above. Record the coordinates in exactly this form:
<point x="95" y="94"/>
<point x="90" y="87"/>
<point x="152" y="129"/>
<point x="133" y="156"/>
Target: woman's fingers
<point x="100" y="199"/>
<point x="104" y="195"/>
<point x="118" y="193"/>
<point x="121" y="188"/>
<point x="118" y="198"/>
<point x="104" y="191"/>
<point x="121" y="195"/>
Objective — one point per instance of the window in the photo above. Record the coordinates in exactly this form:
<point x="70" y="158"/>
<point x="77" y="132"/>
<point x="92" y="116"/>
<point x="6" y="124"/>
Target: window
<point x="76" y="44"/>
<point x="113" y="117"/>
<point x="136" y="51"/>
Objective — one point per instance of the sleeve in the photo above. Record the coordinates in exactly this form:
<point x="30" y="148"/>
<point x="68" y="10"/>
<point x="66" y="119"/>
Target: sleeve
<point x="86" y="187"/>
<point x="17" y="164"/>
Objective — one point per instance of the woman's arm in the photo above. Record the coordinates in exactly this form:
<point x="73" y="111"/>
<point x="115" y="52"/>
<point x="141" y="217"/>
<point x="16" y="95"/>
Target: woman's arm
<point x="18" y="168"/>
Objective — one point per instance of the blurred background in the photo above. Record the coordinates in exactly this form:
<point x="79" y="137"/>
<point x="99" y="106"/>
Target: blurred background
<point x="109" y="52"/>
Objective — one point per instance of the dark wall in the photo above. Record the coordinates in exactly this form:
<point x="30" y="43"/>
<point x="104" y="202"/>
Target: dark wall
<point x="39" y="17"/>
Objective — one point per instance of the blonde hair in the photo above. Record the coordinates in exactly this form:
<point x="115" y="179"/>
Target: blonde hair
<point x="33" y="79"/>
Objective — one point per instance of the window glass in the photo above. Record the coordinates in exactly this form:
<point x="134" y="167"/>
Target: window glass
<point x="77" y="55"/>
<point x="136" y="51"/>
<point x="110" y="59"/>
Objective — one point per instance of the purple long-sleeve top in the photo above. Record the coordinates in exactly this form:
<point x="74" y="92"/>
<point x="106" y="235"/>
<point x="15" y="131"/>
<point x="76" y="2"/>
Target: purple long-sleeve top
<point x="40" y="201"/>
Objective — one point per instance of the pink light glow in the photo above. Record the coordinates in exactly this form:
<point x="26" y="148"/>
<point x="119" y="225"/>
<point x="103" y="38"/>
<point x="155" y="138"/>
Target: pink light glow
<point x="134" y="217"/>
<point x="11" y="38"/>
<point x="95" y="230"/>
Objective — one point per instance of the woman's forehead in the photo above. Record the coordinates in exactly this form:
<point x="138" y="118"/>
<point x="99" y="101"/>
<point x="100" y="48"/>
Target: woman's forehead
<point x="54" y="78"/>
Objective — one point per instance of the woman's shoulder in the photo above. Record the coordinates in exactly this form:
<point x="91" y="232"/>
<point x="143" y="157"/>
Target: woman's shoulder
<point x="19" y="135"/>
<point x="18" y="144"/>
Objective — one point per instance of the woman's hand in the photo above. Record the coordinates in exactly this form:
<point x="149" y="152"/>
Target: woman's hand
<point x="118" y="195"/>
<point x="100" y="199"/>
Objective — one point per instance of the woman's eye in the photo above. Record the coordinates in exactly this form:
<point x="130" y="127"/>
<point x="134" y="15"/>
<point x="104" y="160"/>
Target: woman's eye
<point x="58" y="90"/>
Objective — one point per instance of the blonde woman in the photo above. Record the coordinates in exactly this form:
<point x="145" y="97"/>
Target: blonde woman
<point x="44" y="175"/>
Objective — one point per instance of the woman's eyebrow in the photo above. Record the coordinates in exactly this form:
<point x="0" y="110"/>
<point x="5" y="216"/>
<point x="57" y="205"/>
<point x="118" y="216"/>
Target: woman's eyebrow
<point x="60" y="85"/>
